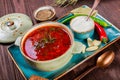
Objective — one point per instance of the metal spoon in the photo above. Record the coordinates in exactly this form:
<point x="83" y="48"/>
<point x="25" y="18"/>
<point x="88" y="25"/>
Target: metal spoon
<point x="96" y="2"/>
<point x="103" y="61"/>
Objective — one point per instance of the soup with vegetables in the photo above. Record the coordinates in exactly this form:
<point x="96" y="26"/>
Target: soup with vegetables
<point x="46" y="43"/>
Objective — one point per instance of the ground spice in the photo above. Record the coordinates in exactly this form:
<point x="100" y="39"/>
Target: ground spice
<point x="44" y="14"/>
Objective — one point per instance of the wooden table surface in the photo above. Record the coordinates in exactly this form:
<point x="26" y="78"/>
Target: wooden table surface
<point x="110" y="9"/>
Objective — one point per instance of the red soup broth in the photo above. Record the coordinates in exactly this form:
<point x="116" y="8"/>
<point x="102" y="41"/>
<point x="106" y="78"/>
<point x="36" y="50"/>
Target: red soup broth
<point x="46" y="43"/>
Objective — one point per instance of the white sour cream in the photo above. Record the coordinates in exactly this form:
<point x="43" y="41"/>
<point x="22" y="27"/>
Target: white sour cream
<point x="81" y="24"/>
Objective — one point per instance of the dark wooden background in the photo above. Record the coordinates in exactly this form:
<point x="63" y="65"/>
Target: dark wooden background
<point x="110" y="9"/>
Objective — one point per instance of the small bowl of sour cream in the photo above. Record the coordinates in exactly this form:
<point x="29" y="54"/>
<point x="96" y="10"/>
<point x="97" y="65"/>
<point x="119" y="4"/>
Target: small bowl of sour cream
<point x="82" y="27"/>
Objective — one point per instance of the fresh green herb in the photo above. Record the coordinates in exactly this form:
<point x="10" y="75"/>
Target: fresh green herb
<point x="50" y="39"/>
<point x="52" y="29"/>
<point x="45" y="40"/>
<point x="41" y="44"/>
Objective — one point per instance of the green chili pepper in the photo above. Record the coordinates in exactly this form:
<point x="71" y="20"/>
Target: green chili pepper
<point x="101" y="22"/>
<point x="68" y="19"/>
<point x="71" y="17"/>
<point x="65" y="17"/>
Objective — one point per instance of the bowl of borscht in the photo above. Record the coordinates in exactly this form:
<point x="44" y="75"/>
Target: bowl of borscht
<point x="47" y="46"/>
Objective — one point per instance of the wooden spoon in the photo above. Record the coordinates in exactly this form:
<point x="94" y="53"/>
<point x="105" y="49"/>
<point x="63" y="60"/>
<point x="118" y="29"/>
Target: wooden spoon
<point x="103" y="61"/>
<point x="96" y="2"/>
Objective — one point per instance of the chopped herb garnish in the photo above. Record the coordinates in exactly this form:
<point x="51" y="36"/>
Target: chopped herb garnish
<point x="52" y="40"/>
<point x="52" y="29"/>
<point x="43" y="42"/>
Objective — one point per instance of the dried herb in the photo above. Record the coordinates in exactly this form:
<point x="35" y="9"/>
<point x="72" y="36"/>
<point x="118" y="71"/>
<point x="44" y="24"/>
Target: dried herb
<point x="65" y="2"/>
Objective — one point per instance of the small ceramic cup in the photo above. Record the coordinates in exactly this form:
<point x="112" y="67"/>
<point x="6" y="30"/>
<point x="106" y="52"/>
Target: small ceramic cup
<point x="82" y="27"/>
<point x="52" y="64"/>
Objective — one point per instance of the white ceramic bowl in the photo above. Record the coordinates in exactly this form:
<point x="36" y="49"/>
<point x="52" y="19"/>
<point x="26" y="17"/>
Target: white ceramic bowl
<point x="53" y="64"/>
<point x="82" y="27"/>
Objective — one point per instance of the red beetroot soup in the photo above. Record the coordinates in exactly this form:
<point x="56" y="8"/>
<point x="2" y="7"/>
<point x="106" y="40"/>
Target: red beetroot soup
<point x="46" y="43"/>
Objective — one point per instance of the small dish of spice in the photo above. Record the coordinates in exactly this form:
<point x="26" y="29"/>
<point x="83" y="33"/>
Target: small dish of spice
<point x="45" y="13"/>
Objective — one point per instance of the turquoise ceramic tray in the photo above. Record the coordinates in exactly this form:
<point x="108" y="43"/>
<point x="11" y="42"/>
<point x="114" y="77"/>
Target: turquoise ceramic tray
<point x="26" y="70"/>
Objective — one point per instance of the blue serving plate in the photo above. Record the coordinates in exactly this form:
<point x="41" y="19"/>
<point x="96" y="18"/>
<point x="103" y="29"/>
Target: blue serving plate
<point x="77" y="59"/>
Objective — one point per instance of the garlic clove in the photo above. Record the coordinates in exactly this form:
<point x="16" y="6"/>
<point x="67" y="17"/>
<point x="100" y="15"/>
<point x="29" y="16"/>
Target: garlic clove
<point x="92" y="48"/>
